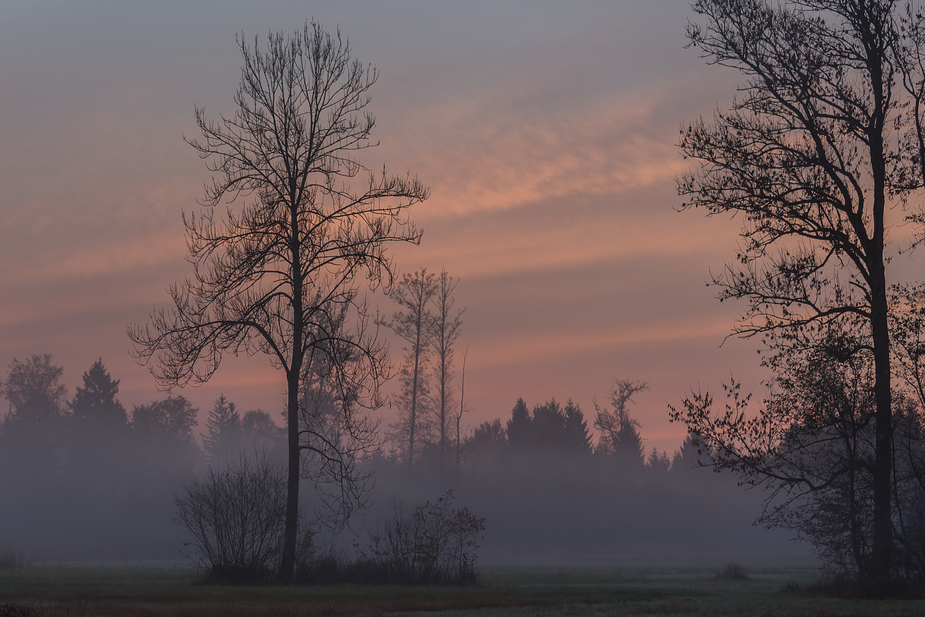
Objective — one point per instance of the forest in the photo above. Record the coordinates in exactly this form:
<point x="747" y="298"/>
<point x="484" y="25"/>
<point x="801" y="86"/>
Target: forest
<point x="86" y="480"/>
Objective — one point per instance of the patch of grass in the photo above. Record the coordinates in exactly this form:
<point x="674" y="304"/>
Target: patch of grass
<point x="56" y="591"/>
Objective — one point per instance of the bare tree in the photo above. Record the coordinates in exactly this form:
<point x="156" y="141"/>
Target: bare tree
<point x="620" y="437"/>
<point x="413" y="294"/>
<point x="462" y="410"/>
<point x="445" y="330"/>
<point x="271" y="276"/>
<point x="813" y="154"/>
<point x="340" y="383"/>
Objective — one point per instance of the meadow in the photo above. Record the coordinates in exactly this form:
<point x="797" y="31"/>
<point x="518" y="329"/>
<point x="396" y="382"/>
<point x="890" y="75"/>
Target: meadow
<point x="148" y="590"/>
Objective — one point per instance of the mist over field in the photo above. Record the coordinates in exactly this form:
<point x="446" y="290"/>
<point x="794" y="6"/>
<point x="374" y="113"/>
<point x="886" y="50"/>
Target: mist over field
<point x="102" y="486"/>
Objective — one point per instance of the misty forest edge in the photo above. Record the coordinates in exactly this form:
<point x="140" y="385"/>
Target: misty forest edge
<point x="823" y="145"/>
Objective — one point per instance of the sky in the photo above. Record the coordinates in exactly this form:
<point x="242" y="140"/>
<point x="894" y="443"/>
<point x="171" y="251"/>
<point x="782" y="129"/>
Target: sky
<point x="546" y="132"/>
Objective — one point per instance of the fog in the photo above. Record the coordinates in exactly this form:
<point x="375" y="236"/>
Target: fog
<point x="100" y="486"/>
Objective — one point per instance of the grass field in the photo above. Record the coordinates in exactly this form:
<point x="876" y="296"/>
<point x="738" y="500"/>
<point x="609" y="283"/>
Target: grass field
<point x="148" y="590"/>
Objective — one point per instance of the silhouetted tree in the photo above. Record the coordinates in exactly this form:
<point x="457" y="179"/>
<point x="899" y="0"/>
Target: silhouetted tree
<point x="446" y="327"/>
<point x="412" y="323"/>
<point x="336" y="435"/>
<point x="577" y="439"/>
<point x="689" y="455"/>
<point x="37" y="404"/>
<point x="518" y="427"/>
<point x="170" y="420"/>
<point x="224" y="438"/>
<point x="488" y="440"/>
<point x="259" y="433"/>
<point x="274" y="275"/>
<point x="821" y="143"/>
<point x="95" y="405"/>
<point x="548" y="430"/>
<point x="658" y="461"/>
<point x="620" y="439"/>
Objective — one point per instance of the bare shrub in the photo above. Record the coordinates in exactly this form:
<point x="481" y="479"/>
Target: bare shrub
<point x="432" y="544"/>
<point x="236" y="516"/>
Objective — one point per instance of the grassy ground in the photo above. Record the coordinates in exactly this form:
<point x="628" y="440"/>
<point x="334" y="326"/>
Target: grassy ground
<point x="150" y="591"/>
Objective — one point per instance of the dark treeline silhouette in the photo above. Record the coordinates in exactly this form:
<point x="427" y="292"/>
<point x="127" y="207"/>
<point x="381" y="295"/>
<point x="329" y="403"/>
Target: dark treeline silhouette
<point x="81" y="478"/>
<point x="555" y="491"/>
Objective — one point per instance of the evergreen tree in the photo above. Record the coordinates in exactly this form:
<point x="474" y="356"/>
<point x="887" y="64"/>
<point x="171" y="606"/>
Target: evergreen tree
<point x="577" y="437"/>
<point x="223" y="439"/>
<point x="95" y="406"/>
<point x="518" y="427"/>
<point x="658" y="461"/>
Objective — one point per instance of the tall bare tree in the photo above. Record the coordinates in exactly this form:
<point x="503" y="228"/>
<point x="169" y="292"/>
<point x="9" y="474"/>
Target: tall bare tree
<point x="620" y="437"/>
<point x="446" y="327"/>
<point x="272" y="275"/>
<point x="414" y="294"/>
<point x="821" y="142"/>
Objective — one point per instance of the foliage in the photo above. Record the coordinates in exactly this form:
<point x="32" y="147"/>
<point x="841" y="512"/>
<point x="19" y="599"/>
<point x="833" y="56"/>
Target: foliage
<point x="95" y="403"/>
<point x="169" y="420"/>
<point x="236" y="516"/>
<point x="259" y="433"/>
<point x="224" y="438"/>
<point x="549" y="428"/>
<point x="36" y="397"/>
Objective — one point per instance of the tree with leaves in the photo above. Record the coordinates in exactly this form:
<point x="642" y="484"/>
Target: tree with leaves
<point x="259" y="433"/>
<point x="272" y="276"/>
<point x="95" y="405"/>
<point x="169" y="421"/>
<point x="37" y="401"/>
<point x="223" y="439"/>
<point x="822" y="144"/>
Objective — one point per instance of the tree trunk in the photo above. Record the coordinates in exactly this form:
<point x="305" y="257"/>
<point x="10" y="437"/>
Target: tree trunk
<point x="883" y="526"/>
<point x="290" y="535"/>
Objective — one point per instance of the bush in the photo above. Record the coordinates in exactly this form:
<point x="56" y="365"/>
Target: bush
<point x="432" y="544"/>
<point x="236" y="516"/>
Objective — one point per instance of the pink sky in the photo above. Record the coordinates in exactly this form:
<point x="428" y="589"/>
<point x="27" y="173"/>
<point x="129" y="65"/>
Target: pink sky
<point x="545" y="130"/>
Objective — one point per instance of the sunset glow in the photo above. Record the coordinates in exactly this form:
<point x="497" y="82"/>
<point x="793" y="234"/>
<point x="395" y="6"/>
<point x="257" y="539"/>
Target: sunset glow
<point x="545" y="132"/>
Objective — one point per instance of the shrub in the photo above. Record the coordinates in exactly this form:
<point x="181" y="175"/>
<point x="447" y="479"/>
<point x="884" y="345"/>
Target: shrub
<point x="236" y="517"/>
<point x="432" y="544"/>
